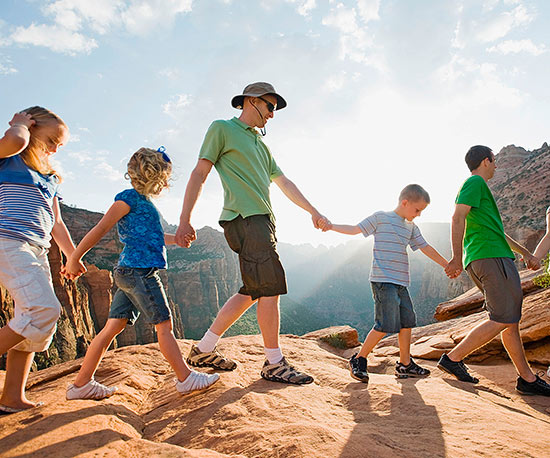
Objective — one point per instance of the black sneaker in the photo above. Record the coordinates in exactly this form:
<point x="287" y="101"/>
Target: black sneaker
<point x="458" y="369"/>
<point x="411" y="370"/>
<point x="539" y="386"/>
<point x="358" y="368"/>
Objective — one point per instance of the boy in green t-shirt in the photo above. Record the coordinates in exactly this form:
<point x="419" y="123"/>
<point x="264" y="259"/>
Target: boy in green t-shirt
<point x="489" y="260"/>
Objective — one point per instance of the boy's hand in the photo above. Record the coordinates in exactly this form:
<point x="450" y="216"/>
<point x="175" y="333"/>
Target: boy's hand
<point x="454" y="268"/>
<point x="325" y="224"/>
<point x="73" y="269"/>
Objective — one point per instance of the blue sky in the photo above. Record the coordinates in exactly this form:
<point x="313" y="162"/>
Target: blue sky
<point x="380" y="93"/>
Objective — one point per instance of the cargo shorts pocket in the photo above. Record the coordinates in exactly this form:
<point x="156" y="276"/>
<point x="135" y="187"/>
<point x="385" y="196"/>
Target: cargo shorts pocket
<point x="258" y="270"/>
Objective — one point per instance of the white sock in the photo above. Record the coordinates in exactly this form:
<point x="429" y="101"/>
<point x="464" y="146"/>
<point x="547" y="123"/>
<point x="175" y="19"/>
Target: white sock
<point x="208" y="342"/>
<point x="273" y="355"/>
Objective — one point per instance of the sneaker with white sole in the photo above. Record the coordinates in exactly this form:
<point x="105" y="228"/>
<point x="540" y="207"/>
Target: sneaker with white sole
<point x="285" y="373"/>
<point x="196" y="381"/>
<point x="412" y="370"/>
<point x="92" y="390"/>
<point x="212" y="359"/>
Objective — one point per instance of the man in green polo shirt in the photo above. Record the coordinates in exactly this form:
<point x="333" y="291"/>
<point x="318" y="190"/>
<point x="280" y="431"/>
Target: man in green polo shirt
<point x="246" y="168"/>
<point x="489" y="260"/>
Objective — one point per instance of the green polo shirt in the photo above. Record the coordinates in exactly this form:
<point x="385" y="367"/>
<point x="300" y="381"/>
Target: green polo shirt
<point x="245" y="165"/>
<point x="484" y="233"/>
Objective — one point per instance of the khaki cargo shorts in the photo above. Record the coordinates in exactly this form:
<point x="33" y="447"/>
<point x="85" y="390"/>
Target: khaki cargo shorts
<point x="253" y="239"/>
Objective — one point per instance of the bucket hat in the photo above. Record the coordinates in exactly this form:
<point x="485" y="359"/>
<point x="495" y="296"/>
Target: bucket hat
<point x="257" y="90"/>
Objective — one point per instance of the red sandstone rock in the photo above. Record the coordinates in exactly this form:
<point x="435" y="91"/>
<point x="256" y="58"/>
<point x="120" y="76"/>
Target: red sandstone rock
<point x="472" y="300"/>
<point x="246" y="416"/>
<point x="339" y="336"/>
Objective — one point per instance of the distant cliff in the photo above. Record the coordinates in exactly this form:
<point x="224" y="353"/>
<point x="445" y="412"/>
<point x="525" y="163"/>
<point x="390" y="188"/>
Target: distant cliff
<point x="327" y="286"/>
<point x="521" y="186"/>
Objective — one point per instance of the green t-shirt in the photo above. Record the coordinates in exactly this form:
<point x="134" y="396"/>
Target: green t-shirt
<point x="484" y="234"/>
<point x="245" y="166"/>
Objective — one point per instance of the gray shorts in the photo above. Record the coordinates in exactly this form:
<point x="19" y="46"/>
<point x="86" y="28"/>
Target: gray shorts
<point x="499" y="281"/>
<point x="393" y="308"/>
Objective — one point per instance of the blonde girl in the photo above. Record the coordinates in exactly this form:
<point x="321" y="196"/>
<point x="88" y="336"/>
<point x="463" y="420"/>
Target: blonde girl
<point x="29" y="218"/>
<point x="136" y="275"/>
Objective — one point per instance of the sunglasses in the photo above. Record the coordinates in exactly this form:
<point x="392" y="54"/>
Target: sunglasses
<point x="165" y="156"/>
<point x="270" y="106"/>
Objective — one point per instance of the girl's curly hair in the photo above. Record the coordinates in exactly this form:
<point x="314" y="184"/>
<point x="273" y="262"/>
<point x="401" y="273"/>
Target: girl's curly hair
<point x="148" y="171"/>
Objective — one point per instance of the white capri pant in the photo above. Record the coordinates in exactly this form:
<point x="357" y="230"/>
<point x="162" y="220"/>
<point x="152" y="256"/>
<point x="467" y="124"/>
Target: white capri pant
<point x="25" y="273"/>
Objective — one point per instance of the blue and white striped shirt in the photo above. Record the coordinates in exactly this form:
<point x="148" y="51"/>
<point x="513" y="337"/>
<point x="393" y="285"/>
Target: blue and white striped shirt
<point x="26" y="214"/>
<point x="392" y="235"/>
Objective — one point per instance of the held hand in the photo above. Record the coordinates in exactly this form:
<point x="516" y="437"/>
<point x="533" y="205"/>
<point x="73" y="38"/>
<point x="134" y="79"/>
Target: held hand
<point x="23" y="119"/>
<point x="73" y="269"/>
<point x="454" y="268"/>
<point x="185" y="235"/>
<point x="532" y="262"/>
<point x="319" y="220"/>
<point x="325" y="224"/>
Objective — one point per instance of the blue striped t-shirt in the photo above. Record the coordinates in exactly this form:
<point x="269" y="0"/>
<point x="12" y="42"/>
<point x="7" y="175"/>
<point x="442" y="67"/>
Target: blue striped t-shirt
<point x="392" y="235"/>
<point x="26" y="214"/>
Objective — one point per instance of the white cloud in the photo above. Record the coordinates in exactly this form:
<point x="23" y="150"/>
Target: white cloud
<point x="504" y="23"/>
<point x="458" y="41"/>
<point x="478" y="84"/>
<point x="141" y="16"/>
<point x="343" y="19"/>
<point x="100" y="15"/>
<point x="489" y="5"/>
<point x="107" y="171"/>
<point x="335" y="82"/>
<point x="368" y="10"/>
<point x="517" y="46"/>
<point x="355" y="42"/>
<point x="56" y="38"/>
<point x="176" y="105"/>
<point x="304" y="6"/>
<point x="82" y="157"/>
<point x="6" y="66"/>
<point x="75" y="21"/>
<point x="170" y="73"/>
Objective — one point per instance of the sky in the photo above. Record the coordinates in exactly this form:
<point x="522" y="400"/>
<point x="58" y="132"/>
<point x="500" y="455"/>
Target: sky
<point x="381" y="93"/>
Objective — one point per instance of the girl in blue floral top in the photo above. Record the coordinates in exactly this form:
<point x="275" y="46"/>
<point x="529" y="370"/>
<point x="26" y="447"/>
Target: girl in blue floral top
<point x="136" y="276"/>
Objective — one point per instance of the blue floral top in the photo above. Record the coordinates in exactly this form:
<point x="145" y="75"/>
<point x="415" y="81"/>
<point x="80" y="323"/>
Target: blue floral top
<point x="141" y="232"/>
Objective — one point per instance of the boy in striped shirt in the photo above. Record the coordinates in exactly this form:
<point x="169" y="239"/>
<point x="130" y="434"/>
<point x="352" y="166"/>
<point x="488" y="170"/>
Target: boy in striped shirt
<point x="393" y="232"/>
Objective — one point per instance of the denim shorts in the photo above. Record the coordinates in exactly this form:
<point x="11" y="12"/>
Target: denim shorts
<point x="253" y="239"/>
<point x="393" y="307"/>
<point x="139" y="291"/>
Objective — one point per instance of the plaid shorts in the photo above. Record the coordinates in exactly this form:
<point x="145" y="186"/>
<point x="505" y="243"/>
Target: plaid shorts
<point x="253" y="239"/>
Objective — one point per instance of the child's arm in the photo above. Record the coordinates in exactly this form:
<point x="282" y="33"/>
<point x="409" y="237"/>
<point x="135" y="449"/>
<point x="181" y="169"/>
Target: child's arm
<point x="17" y="137"/>
<point x="544" y="245"/>
<point x="170" y="239"/>
<point x="532" y="262"/>
<point x="60" y="233"/>
<point x="113" y="215"/>
<point x="434" y="255"/>
<point x="345" y="229"/>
